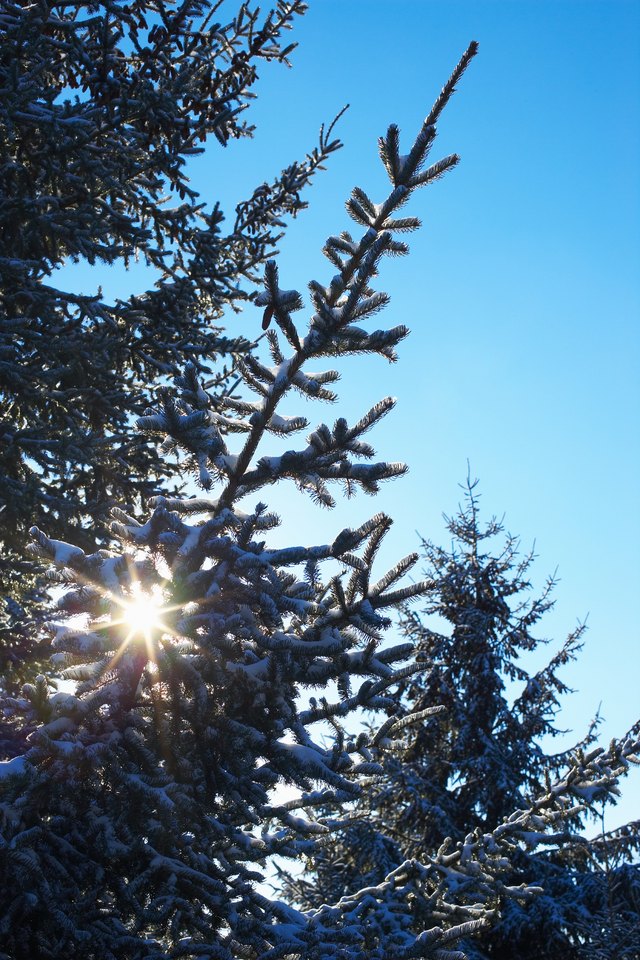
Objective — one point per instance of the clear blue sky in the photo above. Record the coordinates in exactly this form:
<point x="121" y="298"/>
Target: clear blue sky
<point x="522" y="288"/>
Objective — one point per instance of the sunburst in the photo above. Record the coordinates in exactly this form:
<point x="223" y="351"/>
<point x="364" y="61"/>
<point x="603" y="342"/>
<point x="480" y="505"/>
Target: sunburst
<point x="142" y="615"/>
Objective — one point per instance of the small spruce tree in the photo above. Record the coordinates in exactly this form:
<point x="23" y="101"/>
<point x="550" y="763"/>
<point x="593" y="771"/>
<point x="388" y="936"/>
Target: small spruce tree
<point x="467" y="768"/>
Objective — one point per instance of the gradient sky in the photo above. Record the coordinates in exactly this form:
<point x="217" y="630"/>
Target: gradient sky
<point x="522" y="288"/>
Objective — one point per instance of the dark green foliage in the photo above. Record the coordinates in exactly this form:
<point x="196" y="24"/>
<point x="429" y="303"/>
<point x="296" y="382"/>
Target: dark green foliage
<point x="609" y="926"/>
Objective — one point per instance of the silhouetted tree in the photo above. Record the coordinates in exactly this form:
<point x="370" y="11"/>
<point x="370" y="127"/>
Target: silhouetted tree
<point x="463" y="770"/>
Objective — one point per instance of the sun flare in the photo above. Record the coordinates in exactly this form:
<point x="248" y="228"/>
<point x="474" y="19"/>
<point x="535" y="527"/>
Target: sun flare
<point x="142" y="614"/>
<point x="142" y="621"/>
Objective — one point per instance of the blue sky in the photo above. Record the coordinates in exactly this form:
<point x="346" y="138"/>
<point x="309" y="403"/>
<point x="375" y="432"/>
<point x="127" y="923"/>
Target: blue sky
<point x="522" y="288"/>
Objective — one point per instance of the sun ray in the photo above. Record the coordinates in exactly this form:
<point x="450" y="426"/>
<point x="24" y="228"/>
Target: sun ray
<point x="138" y="615"/>
<point x="142" y="614"/>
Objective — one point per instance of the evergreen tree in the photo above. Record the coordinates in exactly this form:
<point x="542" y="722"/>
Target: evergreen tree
<point x="137" y="820"/>
<point x="609" y="926"/>
<point x="466" y="768"/>
<point x="102" y="105"/>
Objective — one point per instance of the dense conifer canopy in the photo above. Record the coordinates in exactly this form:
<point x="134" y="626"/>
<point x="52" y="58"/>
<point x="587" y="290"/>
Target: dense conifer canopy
<point x="102" y="105"/>
<point x="199" y="667"/>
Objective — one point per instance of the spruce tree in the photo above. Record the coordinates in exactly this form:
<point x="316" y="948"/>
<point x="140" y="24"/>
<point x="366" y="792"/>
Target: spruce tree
<point x="102" y="106"/>
<point x="139" y="816"/>
<point x="467" y="768"/>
